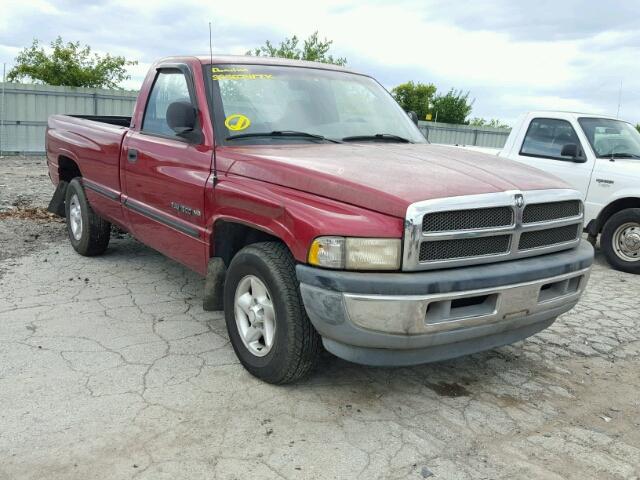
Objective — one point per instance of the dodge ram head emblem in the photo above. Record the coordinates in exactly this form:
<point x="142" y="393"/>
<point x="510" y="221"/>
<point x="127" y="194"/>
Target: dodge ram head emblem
<point x="519" y="200"/>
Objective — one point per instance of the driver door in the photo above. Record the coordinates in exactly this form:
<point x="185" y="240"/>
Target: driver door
<point x="542" y="147"/>
<point x="164" y="176"/>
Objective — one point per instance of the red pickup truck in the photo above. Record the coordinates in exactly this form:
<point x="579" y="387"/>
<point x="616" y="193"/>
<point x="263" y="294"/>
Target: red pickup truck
<point x="320" y="216"/>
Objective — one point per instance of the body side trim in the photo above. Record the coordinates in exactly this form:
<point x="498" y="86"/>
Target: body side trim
<point x="98" y="188"/>
<point x="164" y="219"/>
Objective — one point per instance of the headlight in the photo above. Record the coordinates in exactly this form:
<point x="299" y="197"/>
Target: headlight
<point x="354" y="253"/>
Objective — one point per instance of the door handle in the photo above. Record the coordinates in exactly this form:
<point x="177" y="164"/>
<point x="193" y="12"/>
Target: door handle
<point x="132" y="155"/>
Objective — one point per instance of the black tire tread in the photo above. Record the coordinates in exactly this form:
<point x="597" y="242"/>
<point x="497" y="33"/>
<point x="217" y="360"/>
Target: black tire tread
<point x="305" y="343"/>
<point x="623" y="216"/>
<point x="98" y="229"/>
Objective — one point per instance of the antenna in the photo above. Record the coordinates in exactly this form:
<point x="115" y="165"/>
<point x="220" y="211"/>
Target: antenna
<point x="210" y="102"/>
<point x="619" y="100"/>
<point x="210" y="44"/>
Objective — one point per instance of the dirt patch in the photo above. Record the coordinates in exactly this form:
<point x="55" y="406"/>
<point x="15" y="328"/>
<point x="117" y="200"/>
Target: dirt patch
<point x="448" y="389"/>
<point x="25" y="223"/>
<point x="30" y="213"/>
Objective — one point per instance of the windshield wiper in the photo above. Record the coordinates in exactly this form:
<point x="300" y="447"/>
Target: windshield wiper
<point x="387" y="137"/>
<point x="283" y="133"/>
<point x="623" y="155"/>
<point x="619" y="155"/>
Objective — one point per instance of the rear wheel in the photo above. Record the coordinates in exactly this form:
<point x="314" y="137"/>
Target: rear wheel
<point x="267" y="323"/>
<point x="88" y="233"/>
<point x="620" y="240"/>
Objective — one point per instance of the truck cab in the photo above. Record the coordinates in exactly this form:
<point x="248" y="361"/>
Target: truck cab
<point x="320" y="216"/>
<point x="600" y="157"/>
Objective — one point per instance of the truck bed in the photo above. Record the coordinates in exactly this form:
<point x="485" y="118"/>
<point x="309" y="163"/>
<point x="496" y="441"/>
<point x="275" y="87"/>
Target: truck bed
<point x="118" y="120"/>
<point x="93" y="142"/>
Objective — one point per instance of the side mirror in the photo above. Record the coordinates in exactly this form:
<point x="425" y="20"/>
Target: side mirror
<point x="413" y="116"/>
<point x="181" y="117"/>
<point x="572" y="150"/>
<point x="569" y="150"/>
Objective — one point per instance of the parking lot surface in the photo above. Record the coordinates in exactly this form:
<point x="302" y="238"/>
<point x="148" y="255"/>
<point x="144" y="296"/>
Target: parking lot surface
<point x="109" y="368"/>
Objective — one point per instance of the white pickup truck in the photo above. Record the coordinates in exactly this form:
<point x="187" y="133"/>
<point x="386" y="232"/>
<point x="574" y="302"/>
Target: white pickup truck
<point x="600" y="157"/>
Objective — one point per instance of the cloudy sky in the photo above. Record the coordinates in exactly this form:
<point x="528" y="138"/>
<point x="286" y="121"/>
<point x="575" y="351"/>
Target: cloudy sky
<point x="511" y="55"/>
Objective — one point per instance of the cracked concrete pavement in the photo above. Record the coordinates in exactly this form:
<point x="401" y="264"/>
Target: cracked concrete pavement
<point x="110" y="369"/>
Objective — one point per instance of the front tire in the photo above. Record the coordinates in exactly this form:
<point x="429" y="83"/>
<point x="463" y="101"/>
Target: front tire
<point x="266" y="319"/>
<point x="88" y="233"/>
<point x="620" y="240"/>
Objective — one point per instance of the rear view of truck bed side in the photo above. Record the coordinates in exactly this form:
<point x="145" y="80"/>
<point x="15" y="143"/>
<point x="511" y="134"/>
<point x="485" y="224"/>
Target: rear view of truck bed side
<point x="95" y="142"/>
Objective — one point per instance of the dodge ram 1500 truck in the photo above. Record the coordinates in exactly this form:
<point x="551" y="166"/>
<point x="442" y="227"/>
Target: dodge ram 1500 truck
<point x="600" y="157"/>
<point x="319" y="215"/>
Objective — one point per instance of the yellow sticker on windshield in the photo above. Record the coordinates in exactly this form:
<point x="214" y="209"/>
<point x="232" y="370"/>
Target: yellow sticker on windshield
<point x="237" y="122"/>
<point x="229" y="70"/>
<point x="237" y="73"/>
<point x="242" y="76"/>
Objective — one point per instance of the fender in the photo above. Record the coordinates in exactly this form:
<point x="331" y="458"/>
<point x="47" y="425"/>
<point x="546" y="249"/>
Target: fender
<point x="624" y="198"/>
<point x="281" y="211"/>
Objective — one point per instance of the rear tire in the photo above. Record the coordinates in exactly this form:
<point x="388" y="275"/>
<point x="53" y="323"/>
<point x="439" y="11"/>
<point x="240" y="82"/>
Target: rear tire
<point x="88" y="233"/>
<point x="266" y="319"/>
<point x="620" y="240"/>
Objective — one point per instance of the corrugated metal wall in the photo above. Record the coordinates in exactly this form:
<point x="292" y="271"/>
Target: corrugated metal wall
<point x="25" y="108"/>
<point x="451" y="134"/>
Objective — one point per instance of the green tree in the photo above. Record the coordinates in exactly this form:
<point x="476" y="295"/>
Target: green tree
<point x="69" y="64"/>
<point x="313" y="49"/>
<point x="454" y="107"/>
<point x="493" y="123"/>
<point x="638" y="127"/>
<point x="415" y="97"/>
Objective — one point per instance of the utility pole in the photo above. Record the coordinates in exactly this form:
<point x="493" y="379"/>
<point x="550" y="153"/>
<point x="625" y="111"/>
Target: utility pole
<point x="4" y="80"/>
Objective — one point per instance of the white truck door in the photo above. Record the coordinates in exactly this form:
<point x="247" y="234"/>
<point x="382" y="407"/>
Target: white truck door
<point x="555" y="146"/>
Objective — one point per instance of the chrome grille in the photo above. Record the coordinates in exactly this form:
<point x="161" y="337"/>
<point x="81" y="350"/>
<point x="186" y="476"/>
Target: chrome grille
<point x="474" y="229"/>
<point x="543" y="212"/>
<point x="467" y="219"/>
<point x="551" y="236"/>
<point x="466" y="247"/>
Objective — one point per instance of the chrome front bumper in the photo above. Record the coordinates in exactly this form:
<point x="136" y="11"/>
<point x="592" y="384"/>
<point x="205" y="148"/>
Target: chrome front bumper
<point x="411" y="318"/>
<point x="420" y="314"/>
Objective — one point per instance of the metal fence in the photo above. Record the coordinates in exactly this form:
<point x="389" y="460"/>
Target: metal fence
<point x="451" y="134"/>
<point x="24" y="109"/>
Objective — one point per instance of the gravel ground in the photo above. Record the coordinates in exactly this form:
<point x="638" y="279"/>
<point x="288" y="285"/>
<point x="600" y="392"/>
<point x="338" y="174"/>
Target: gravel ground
<point x="109" y="368"/>
<point x="25" y="191"/>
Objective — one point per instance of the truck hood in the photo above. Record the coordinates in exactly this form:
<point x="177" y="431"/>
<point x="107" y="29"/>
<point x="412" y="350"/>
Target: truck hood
<point x="385" y="177"/>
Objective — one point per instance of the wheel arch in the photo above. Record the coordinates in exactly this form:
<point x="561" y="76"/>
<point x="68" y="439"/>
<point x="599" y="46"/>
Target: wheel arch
<point x="595" y="226"/>
<point x="230" y="236"/>
<point x="68" y="168"/>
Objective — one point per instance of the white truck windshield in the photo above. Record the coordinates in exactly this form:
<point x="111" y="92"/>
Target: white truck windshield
<point x="611" y="138"/>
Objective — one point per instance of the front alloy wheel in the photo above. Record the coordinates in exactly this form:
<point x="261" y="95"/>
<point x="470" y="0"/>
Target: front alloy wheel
<point x="267" y="323"/>
<point x="255" y="317"/>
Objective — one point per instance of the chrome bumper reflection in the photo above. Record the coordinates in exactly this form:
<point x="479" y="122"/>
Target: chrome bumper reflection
<point x="420" y="314"/>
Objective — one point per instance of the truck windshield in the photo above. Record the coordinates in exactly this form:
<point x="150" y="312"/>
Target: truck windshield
<point x="282" y="104"/>
<point x="611" y="138"/>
